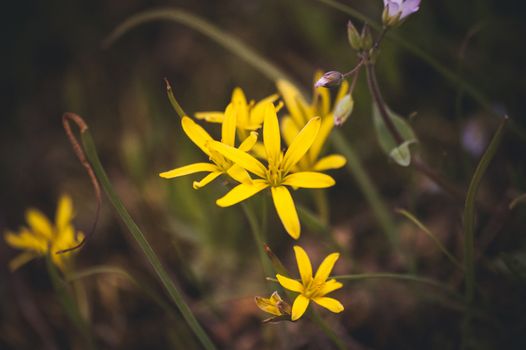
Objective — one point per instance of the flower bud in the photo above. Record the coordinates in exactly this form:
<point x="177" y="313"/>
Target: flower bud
<point x="354" y="37"/>
<point x="366" y="38"/>
<point x="343" y="110"/>
<point x="396" y="11"/>
<point x="330" y="79"/>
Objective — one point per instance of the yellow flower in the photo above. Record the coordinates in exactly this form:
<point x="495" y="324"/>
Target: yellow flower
<point x="278" y="172"/>
<point x="42" y="237"/>
<point x="300" y="112"/>
<point x="273" y="305"/>
<point x="312" y="288"/>
<point x="249" y="115"/>
<point x="218" y="164"/>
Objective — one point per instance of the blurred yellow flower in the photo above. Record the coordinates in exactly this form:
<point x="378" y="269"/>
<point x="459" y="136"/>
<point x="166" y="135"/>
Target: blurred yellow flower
<point x="300" y="112"/>
<point x="278" y="171"/>
<point x="249" y="114"/>
<point x="312" y="288"/>
<point x="218" y="164"/>
<point x="42" y="237"/>
<point x="273" y="305"/>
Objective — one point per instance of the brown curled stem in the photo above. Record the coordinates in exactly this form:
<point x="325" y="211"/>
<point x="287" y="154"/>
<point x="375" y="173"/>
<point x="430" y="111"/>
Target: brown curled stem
<point x="79" y="152"/>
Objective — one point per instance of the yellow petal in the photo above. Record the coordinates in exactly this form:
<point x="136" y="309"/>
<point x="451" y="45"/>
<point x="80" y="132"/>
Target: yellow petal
<point x="309" y="179"/>
<point x="289" y="283"/>
<point x="298" y="308"/>
<point x="328" y="287"/>
<point x="257" y="114"/>
<point x="334" y="161"/>
<point x="240" y="102"/>
<point x="211" y="117"/>
<point x="326" y="267"/>
<point x="206" y="180"/>
<point x="304" y="265"/>
<point x="326" y="127"/>
<point x="189" y="169"/>
<point x="240" y="157"/>
<point x="301" y="144"/>
<point x="267" y="305"/>
<point x="64" y="213"/>
<point x="293" y="100"/>
<point x="329" y="303"/>
<point x="39" y="223"/>
<point x="271" y="136"/>
<point x="249" y="142"/>
<point x="286" y="210"/>
<point x="259" y="151"/>
<point x="27" y="240"/>
<point x="196" y="133"/>
<point x="289" y="129"/>
<point x="239" y="174"/>
<point x="228" y="128"/>
<point x="241" y="192"/>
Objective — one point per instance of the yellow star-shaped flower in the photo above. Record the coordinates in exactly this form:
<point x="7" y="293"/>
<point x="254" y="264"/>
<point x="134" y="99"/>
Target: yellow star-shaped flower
<point x="312" y="288"/>
<point x="42" y="237"/>
<point x="277" y="174"/>
<point x="218" y="164"/>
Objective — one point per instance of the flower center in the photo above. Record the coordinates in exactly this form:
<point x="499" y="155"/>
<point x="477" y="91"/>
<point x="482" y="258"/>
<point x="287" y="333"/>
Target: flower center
<point x="274" y="175"/>
<point x="312" y="288"/>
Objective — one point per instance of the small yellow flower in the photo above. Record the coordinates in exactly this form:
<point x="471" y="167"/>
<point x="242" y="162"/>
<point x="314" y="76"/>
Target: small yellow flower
<point x="273" y="305"/>
<point x="249" y="115"/>
<point x="218" y="164"/>
<point x="42" y="237"/>
<point x="278" y="172"/>
<point x="312" y="288"/>
<point x="300" y="112"/>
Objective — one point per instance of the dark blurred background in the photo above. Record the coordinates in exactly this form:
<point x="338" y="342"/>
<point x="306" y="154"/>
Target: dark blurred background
<point x="52" y="61"/>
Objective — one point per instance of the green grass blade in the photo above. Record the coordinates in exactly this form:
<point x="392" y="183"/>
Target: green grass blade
<point x="113" y="270"/>
<point x="141" y="240"/>
<point x="431" y="235"/>
<point x="469" y="222"/>
<point x="228" y="41"/>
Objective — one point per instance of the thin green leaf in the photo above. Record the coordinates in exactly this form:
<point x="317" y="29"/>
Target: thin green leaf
<point x="173" y="101"/>
<point x="399" y="153"/>
<point x="141" y="240"/>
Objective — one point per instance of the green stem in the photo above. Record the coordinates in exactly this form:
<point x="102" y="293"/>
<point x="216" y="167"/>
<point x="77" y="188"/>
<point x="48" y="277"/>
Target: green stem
<point x="69" y="305"/>
<point x="141" y="240"/>
<point x="256" y="234"/>
<point x="372" y="82"/>
<point x="469" y="225"/>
